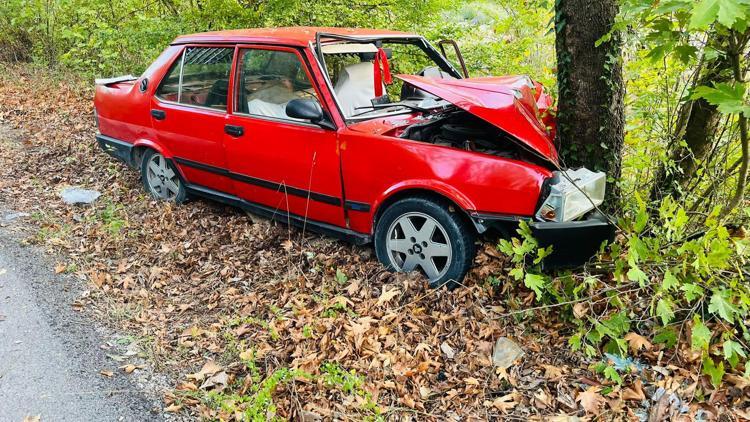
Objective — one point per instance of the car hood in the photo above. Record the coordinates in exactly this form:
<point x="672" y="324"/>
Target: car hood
<point x="509" y="103"/>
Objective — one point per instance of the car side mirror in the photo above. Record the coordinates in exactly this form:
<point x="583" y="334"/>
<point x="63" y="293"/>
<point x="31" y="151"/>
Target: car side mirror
<point x="308" y="109"/>
<point x="143" y="86"/>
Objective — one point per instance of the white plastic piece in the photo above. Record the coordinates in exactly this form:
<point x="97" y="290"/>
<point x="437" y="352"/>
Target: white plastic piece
<point x="349" y="48"/>
<point x="573" y="196"/>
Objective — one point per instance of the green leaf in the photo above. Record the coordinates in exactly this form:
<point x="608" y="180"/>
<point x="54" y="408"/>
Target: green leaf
<point x="727" y="98"/>
<point x="341" y="276"/>
<point x="704" y="14"/>
<point x="611" y="374"/>
<point x="730" y="11"/>
<point x="641" y="218"/>
<point x="727" y="12"/>
<point x="692" y="291"/>
<point x="701" y="335"/>
<point x="720" y="305"/>
<point x="670" y="281"/>
<point x="664" y="310"/>
<point x="517" y="273"/>
<point x="719" y="253"/>
<point x="635" y="274"/>
<point x="667" y="337"/>
<point x="617" y="325"/>
<point x="716" y="372"/>
<point x="733" y="352"/>
<point x="536" y="283"/>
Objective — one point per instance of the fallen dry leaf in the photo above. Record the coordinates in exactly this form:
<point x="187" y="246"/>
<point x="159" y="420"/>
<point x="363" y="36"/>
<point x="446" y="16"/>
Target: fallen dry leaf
<point x="638" y="342"/>
<point x="130" y="368"/>
<point x="216" y="381"/>
<point x="60" y="268"/>
<point x="448" y="350"/>
<point x="387" y="295"/>
<point x="580" y="309"/>
<point x="209" y="368"/>
<point x="552" y="373"/>
<point x="504" y="403"/>
<point x="173" y="408"/>
<point x="106" y="373"/>
<point x="591" y="400"/>
<point x="635" y="392"/>
<point x="36" y="418"/>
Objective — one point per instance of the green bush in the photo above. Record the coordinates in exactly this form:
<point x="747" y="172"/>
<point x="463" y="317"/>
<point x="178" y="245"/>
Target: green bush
<point x="662" y="279"/>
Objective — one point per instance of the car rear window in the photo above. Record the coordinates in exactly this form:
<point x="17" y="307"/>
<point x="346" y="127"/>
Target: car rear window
<point x="200" y="77"/>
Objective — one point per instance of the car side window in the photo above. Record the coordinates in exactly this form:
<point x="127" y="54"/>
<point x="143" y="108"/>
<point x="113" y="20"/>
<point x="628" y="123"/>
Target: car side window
<point x="170" y="86"/>
<point x="268" y="79"/>
<point x="200" y="77"/>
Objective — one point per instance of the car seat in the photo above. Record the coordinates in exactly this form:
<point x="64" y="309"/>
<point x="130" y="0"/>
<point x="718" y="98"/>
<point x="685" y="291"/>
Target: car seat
<point x="354" y="87"/>
<point x="217" y="96"/>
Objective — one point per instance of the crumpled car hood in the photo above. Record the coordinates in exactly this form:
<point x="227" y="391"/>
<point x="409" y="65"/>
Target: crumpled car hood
<point x="509" y="103"/>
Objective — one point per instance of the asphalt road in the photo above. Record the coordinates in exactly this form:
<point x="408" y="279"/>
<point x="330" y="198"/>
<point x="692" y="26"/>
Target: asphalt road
<point x="51" y="355"/>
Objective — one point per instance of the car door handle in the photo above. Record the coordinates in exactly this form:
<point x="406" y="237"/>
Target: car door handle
<point x="158" y="114"/>
<point x="235" y="131"/>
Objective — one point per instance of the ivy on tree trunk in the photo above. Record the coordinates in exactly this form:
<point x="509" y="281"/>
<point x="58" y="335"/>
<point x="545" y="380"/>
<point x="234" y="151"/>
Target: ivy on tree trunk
<point x="591" y="91"/>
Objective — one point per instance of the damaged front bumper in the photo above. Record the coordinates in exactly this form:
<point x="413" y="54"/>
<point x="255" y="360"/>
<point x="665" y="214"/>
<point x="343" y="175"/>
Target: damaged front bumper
<point x="567" y="219"/>
<point x="573" y="243"/>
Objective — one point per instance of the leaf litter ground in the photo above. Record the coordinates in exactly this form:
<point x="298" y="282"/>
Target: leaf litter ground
<point x="254" y="319"/>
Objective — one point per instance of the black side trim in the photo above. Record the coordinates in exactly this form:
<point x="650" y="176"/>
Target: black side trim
<point x="357" y="206"/>
<point x="116" y="148"/>
<point x="491" y="218"/>
<point x="281" y="216"/>
<point x="320" y="197"/>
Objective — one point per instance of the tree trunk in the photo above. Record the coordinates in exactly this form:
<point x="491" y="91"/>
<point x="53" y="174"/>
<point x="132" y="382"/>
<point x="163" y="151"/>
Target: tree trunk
<point x="591" y="90"/>
<point x="697" y="124"/>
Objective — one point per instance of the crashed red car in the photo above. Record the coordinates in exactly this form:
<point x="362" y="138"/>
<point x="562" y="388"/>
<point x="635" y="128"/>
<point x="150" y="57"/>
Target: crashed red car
<point x="370" y="135"/>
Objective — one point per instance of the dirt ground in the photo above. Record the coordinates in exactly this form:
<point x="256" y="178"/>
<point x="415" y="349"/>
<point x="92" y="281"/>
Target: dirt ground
<point x="249" y="319"/>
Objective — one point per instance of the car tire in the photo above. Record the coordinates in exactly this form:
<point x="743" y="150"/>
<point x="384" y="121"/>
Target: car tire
<point x="428" y="235"/>
<point x="161" y="179"/>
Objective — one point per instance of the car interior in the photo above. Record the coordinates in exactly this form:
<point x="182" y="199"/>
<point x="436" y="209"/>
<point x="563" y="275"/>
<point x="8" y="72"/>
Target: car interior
<point x="205" y="78"/>
<point x="268" y="80"/>
<point x="351" y="69"/>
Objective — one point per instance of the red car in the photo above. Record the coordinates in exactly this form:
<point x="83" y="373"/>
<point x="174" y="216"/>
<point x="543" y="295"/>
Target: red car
<point x="371" y="135"/>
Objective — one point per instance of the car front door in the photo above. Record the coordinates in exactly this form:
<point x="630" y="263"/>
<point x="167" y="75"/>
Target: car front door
<point x="285" y="164"/>
<point x="189" y="112"/>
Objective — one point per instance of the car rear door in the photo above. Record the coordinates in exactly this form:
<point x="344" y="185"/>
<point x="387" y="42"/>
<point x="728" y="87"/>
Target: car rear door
<point x="285" y="164"/>
<point x="189" y="112"/>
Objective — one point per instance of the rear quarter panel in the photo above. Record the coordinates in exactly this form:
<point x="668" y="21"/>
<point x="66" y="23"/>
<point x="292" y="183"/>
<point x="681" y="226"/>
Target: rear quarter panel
<point x="377" y="167"/>
<point x="124" y="111"/>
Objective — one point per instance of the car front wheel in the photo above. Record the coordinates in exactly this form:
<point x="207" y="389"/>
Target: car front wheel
<point x="421" y="234"/>
<point x="160" y="178"/>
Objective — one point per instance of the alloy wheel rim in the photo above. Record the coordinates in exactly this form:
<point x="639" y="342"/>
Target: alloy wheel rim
<point x="417" y="241"/>
<point x="162" y="180"/>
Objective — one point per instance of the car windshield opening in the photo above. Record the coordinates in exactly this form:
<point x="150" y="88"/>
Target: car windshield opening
<point x="355" y="68"/>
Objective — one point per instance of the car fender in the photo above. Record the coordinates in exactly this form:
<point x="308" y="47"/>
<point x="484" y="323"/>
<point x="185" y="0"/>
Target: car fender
<point x="148" y="143"/>
<point x="434" y="186"/>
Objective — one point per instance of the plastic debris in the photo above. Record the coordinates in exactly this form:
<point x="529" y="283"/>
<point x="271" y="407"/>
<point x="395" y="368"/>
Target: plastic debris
<point x="76" y="195"/>
<point x="505" y="353"/>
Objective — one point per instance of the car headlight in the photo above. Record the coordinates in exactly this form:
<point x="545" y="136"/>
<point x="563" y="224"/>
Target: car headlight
<point x="571" y="194"/>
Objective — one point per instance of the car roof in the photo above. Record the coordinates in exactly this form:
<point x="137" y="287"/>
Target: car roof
<point x="297" y="35"/>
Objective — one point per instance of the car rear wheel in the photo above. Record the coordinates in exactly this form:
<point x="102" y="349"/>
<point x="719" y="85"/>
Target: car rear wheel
<point x="421" y="234"/>
<point x="160" y="178"/>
